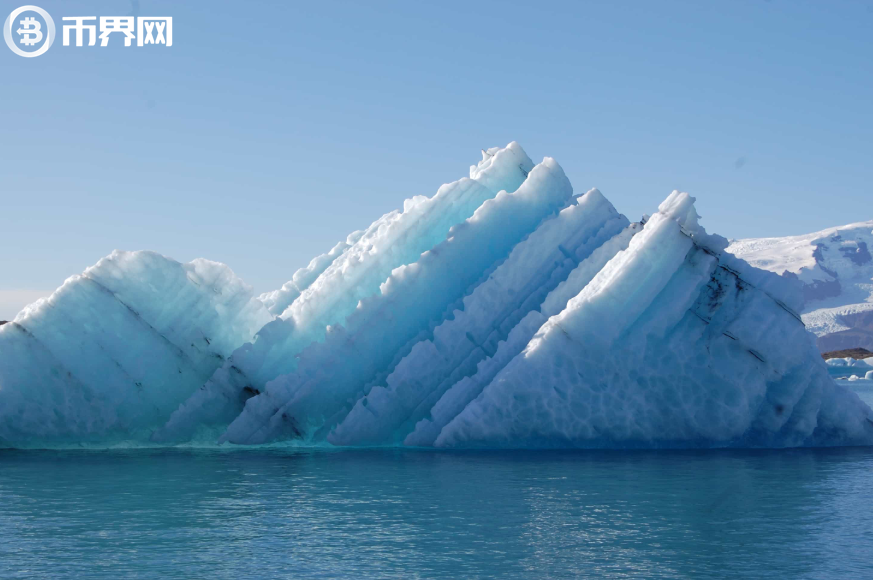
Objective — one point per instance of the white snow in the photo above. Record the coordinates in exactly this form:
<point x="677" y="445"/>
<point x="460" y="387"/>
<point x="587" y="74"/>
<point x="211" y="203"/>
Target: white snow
<point x="795" y="253"/>
<point x="836" y="268"/>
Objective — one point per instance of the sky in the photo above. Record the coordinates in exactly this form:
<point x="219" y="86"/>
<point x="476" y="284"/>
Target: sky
<point x="271" y="130"/>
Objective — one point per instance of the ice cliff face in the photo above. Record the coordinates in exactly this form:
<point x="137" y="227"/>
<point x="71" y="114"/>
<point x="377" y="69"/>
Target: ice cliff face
<point x="504" y="311"/>
<point x="835" y="267"/>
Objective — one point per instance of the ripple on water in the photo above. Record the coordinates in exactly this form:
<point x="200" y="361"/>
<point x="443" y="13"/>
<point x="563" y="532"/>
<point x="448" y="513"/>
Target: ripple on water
<point x="406" y="514"/>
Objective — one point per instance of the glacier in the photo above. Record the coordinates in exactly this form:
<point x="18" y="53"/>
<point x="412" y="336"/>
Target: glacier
<point x="505" y="310"/>
<point x="835" y="267"/>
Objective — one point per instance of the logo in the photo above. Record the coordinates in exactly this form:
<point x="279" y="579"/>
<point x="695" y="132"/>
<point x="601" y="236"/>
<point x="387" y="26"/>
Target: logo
<point x="29" y="32"/>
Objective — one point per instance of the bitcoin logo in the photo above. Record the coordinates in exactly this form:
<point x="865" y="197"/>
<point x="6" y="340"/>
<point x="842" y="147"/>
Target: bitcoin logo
<point x="30" y="26"/>
<point x="30" y="31"/>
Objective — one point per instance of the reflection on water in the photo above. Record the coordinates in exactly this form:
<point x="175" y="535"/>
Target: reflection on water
<point x="415" y="514"/>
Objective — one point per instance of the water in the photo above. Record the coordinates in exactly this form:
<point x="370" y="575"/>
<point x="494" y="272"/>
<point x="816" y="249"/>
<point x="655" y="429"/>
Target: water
<point x="417" y="514"/>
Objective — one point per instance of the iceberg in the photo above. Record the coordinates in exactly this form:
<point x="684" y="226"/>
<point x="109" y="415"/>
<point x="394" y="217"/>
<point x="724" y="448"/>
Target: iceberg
<point x="396" y="239"/>
<point x="516" y="288"/>
<point x="114" y="350"/>
<point x="845" y="367"/>
<point x="674" y="343"/>
<point x="504" y="311"/>
<point x="409" y="303"/>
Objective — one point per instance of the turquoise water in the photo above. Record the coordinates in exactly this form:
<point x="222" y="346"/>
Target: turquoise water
<point x="415" y="514"/>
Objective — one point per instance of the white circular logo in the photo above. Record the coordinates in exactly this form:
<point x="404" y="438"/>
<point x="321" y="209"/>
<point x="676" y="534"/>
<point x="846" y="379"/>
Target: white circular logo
<point x="29" y="31"/>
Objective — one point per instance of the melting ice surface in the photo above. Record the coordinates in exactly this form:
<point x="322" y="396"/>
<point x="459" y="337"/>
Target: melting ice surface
<point x="504" y="311"/>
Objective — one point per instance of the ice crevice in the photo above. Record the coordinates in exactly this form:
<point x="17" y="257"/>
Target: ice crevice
<point x="504" y="311"/>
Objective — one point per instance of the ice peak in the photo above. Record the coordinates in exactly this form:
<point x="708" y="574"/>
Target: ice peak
<point x="509" y="159"/>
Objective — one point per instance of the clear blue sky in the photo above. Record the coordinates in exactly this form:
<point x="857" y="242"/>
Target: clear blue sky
<point x="270" y="130"/>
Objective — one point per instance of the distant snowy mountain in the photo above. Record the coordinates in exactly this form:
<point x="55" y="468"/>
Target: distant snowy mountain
<point x="836" y="268"/>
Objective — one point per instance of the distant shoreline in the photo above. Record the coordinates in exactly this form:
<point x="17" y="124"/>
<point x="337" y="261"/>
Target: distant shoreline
<point x="855" y="353"/>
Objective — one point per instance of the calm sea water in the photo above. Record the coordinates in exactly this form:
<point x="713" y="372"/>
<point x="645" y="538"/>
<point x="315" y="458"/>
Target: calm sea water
<point x="419" y="514"/>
